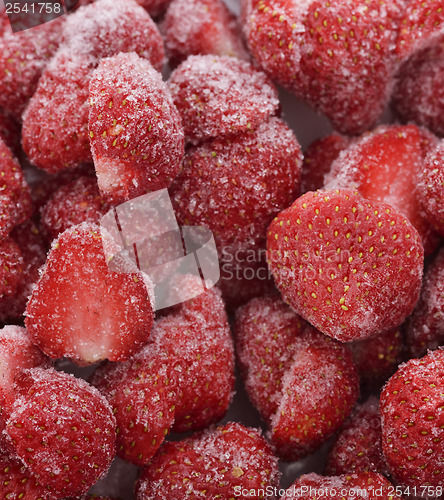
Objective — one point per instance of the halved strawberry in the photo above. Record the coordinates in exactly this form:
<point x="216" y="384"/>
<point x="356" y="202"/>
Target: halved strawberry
<point x="318" y="159"/>
<point x="359" y="486"/>
<point x="83" y="310"/>
<point x="219" y="462"/>
<point x="76" y="202"/>
<point x="201" y="27"/>
<point x="62" y="429"/>
<point x="358" y="446"/>
<point x="412" y="409"/>
<point x="55" y="128"/>
<point x="384" y="166"/>
<point x="303" y="383"/>
<point x="135" y="130"/>
<point x="337" y="55"/>
<point x="181" y="380"/>
<point x="23" y="57"/>
<point x="221" y="95"/>
<point x="349" y="266"/>
<point x="15" y="197"/>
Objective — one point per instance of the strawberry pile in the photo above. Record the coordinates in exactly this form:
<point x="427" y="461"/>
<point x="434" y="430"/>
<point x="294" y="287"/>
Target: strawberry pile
<point x="304" y="358"/>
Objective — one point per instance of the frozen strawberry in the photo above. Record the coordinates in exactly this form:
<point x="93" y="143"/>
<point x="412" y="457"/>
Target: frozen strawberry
<point x="338" y="56"/>
<point x="358" y="446"/>
<point x="221" y="95"/>
<point x="359" y="486"/>
<point x="303" y="383"/>
<point x="55" y="124"/>
<point x="431" y="188"/>
<point x="23" y="57"/>
<point x="225" y="187"/>
<point x="11" y="268"/>
<point x="349" y="266"/>
<point x="33" y="252"/>
<point x="418" y="95"/>
<point x="9" y="132"/>
<point x="17" y="353"/>
<point x="318" y="159"/>
<point x="74" y="203"/>
<point x="384" y="166"/>
<point x="16" y="481"/>
<point x="15" y="197"/>
<point x="136" y="134"/>
<point x="142" y="393"/>
<point x="154" y="7"/>
<point x="425" y="327"/>
<point x="82" y="309"/>
<point x="181" y="380"/>
<point x="217" y="463"/>
<point x="201" y="27"/>
<point x="46" y="186"/>
<point x="421" y="25"/>
<point x="412" y="410"/>
<point x="62" y="429"/>
<point x="378" y="357"/>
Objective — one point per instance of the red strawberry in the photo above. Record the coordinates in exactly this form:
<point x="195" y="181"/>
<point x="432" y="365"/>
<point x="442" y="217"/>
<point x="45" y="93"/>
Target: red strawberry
<point x="337" y="55"/>
<point x="33" y="252"/>
<point x="422" y="24"/>
<point x="11" y="268"/>
<point x="142" y="393"/>
<point x="217" y="463"/>
<point x="183" y="376"/>
<point x="431" y="187"/>
<point x="360" y="486"/>
<point x="62" y="429"/>
<point x="59" y="139"/>
<point x="23" y="57"/>
<point x="225" y="187"/>
<point x="16" y="481"/>
<point x="318" y="159"/>
<point x="154" y="7"/>
<point x="384" y="166"/>
<point x="378" y="357"/>
<point x="418" y="95"/>
<point x="358" y="446"/>
<point x="220" y="95"/>
<point x="136" y="134"/>
<point x="83" y="310"/>
<point x="201" y="27"/>
<point x="425" y="328"/>
<point x="17" y="352"/>
<point x="15" y="198"/>
<point x="9" y="132"/>
<point x="46" y="185"/>
<point x="303" y="383"/>
<point x="412" y="409"/>
<point x="349" y="266"/>
<point x="76" y="202"/>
